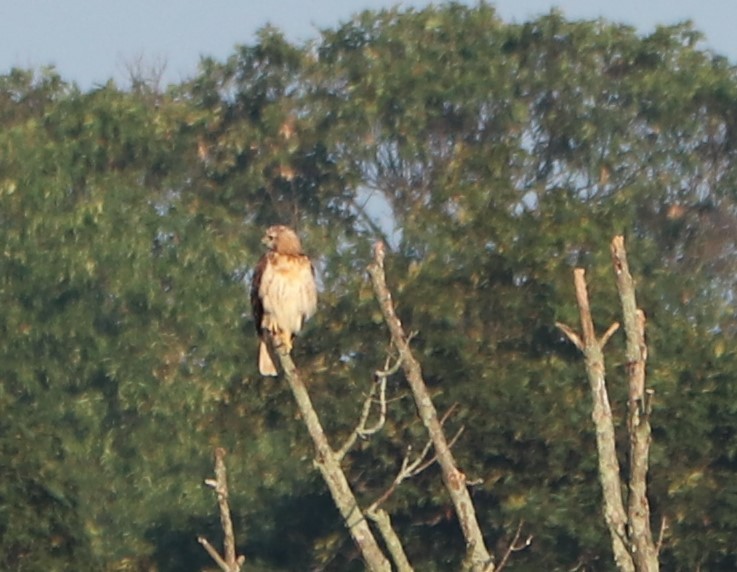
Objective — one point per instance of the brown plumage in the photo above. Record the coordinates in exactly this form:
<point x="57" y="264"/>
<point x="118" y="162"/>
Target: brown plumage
<point x="283" y="292"/>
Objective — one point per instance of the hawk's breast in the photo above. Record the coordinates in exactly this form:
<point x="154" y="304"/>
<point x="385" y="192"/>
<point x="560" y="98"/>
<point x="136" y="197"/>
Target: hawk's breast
<point x="287" y="291"/>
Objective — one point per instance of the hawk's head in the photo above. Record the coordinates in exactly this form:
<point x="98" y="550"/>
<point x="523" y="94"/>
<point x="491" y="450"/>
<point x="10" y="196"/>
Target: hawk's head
<point x="282" y="239"/>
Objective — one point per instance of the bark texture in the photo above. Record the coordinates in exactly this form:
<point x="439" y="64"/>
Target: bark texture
<point x="644" y="552"/>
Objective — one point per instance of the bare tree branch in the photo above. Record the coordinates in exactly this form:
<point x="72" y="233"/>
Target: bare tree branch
<point x="631" y="535"/>
<point x="406" y="470"/>
<point x="361" y="430"/>
<point x="374" y="228"/>
<point x="661" y="534"/>
<point x="393" y="544"/>
<point x="230" y="562"/>
<point x="608" y="334"/>
<point x="413" y="468"/>
<point x="145" y="74"/>
<point x="451" y="442"/>
<point x="213" y="554"/>
<point x="571" y="335"/>
<point x="478" y="555"/>
<point x="514" y="546"/>
<point x="387" y="371"/>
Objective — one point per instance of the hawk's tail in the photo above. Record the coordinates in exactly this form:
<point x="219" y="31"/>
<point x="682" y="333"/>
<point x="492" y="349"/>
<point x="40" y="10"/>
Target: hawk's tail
<point x="265" y="363"/>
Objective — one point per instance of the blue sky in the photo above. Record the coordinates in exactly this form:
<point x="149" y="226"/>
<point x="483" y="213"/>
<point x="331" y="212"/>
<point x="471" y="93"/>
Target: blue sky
<point x="91" y="41"/>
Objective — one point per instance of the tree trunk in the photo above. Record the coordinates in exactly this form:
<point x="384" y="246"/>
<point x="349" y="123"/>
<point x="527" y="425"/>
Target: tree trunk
<point x="638" y="415"/>
<point x="611" y="485"/>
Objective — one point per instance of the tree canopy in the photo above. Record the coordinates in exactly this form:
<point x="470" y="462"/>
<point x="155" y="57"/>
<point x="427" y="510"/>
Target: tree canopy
<point x="492" y="158"/>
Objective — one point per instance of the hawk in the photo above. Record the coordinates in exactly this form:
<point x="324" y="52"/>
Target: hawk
<point x="283" y="292"/>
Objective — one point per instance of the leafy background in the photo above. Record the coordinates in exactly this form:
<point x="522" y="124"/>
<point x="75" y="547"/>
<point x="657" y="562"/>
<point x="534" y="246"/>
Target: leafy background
<point x="492" y="158"/>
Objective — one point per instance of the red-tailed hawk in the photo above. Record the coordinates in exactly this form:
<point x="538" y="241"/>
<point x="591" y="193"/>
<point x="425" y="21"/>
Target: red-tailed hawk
<point x="283" y="292"/>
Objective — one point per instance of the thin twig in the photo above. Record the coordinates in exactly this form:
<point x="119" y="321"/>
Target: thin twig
<point x="434" y="458"/>
<point x="213" y="553"/>
<point x="419" y="468"/>
<point x="514" y="546"/>
<point x="387" y="371"/>
<point x="364" y="431"/>
<point x="661" y="534"/>
<point x="571" y="335"/>
<point x="358" y="431"/>
<point x="414" y="468"/>
<point x="608" y="334"/>
<point x="361" y="430"/>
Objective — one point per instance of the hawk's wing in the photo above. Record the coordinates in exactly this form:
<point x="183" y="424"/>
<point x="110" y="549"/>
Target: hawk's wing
<point x="257" y="305"/>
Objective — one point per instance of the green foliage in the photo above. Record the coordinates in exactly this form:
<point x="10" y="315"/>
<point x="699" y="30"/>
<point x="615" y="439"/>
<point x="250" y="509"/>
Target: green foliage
<point x="504" y="155"/>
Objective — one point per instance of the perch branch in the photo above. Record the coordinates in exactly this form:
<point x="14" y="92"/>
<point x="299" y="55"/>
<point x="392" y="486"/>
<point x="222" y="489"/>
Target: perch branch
<point x="328" y="463"/>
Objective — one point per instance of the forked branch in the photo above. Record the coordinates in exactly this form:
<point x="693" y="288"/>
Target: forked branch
<point x="478" y="556"/>
<point x="362" y="430"/>
<point x="630" y="532"/>
<point x="413" y="467"/>
<point x="515" y="545"/>
<point x="592" y="348"/>
<point x="229" y="562"/>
